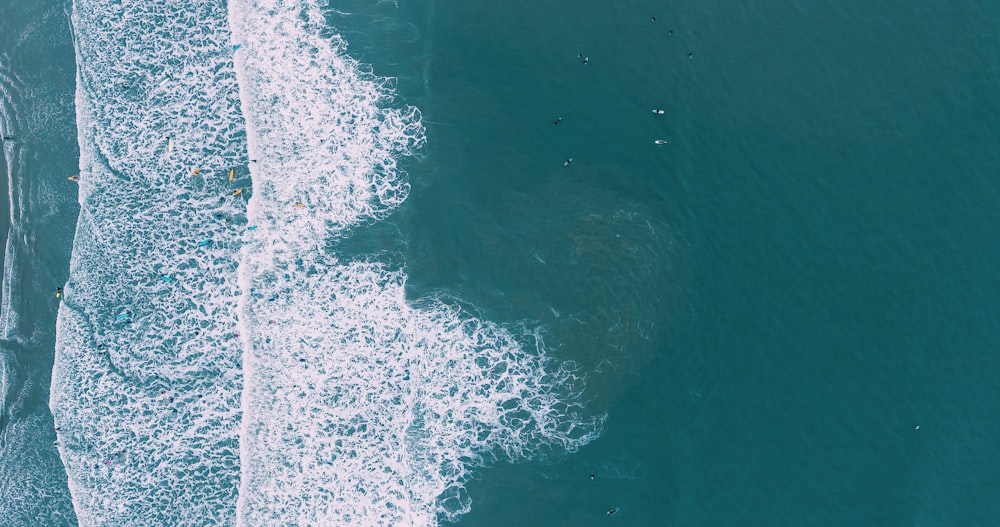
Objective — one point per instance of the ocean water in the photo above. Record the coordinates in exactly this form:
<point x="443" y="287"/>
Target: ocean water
<point x="420" y="263"/>
<point x="147" y="379"/>
<point x="37" y="154"/>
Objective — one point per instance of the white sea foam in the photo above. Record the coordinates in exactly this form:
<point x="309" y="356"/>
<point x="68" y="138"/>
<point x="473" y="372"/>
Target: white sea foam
<point x="359" y="406"/>
<point x="322" y="132"/>
<point x="362" y="409"/>
<point x="147" y="377"/>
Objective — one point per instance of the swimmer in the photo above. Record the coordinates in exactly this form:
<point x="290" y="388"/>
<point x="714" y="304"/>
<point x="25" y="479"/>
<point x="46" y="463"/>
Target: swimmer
<point x="690" y="55"/>
<point x="568" y="162"/>
<point x="657" y="111"/>
<point x="660" y="142"/>
<point x="557" y="121"/>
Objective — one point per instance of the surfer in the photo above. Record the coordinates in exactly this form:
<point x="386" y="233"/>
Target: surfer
<point x="58" y="292"/>
<point x="557" y="121"/>
<point x="660" y="142"/>
<point x="612" y="510"/>
<point x="591" y="476"/>
<point x="74" y="178"/>
<point x="658" y="111"/>
<point x="568" y="162"/>
<point x="586" y="60"/>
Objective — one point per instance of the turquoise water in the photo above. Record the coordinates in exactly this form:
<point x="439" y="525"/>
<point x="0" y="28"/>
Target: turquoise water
<point x="37" y="221"/>
<point x="785" y="313"/>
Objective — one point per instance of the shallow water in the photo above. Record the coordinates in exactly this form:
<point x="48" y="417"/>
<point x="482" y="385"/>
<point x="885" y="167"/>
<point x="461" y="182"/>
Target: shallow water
<point x="36" y="222"/>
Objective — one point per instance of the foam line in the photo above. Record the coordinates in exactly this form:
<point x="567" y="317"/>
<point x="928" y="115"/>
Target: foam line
<point x="147" y="404"/>
<point x="360" y="407"/>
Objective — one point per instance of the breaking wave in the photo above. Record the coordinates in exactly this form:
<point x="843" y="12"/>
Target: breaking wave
<point x="218" y="361"/>
<point x="147" y="378"/>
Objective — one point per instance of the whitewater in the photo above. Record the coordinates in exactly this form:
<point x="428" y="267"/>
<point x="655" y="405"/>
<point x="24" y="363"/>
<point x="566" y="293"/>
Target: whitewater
<point x="218" y="362"/>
